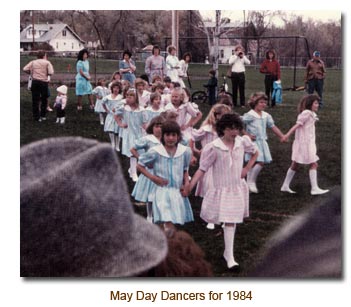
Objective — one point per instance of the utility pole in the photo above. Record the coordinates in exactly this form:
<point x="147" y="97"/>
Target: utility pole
<point x="175" y="29"/>
<point x="33" y="30"/>
<point x="216" y="41"/>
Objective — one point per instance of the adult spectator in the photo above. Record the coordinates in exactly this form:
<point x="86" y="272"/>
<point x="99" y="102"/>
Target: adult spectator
<point x="172" y="63"/>
<point x="271" y="68"/>
<point x="183" y="68"/>
<point x="314" y="76"/>
<point x="83" y="85"/>
<point x="155" y="64"/>
<point x="71" y="228"/>
<point x="238" y="61"/>
<point x="127" y="67"/>
<point x="40" y="70"/>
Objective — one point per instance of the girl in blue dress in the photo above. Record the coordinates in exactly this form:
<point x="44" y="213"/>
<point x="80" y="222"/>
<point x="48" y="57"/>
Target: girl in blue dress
<point x="100" y="92"/>
<point x="256" y="122"/>
<point x="155" y="108"/>
<point x="170" y="162"/>
<point x="83" y="86"/>
<point x="144" y="188"/>
<point x="127" y="68"/>
<point x="111" y="103"/>
<point x="134" y="124"/>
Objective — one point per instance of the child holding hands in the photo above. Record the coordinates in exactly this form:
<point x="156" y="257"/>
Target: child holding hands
<point x="256" y="122"/>
<point x="170" y="162"/>
<point x="60" y="104"/>
<point x="227" y="200"/>
<point x="304" y="150"/>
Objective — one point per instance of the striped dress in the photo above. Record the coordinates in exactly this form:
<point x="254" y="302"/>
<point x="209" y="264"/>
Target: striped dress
<point x="168" y="204"/>
<point x="257" y="125"/>
<point x="144" y="188"/>
<point x="206" y="134"/>
<point x="112" y="105"/>
<point x="227" y="201"/>
<point x="304" y="148"/>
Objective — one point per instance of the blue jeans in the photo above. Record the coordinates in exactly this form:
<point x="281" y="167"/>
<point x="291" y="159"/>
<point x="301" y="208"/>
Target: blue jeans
<point x="316" y="85"/>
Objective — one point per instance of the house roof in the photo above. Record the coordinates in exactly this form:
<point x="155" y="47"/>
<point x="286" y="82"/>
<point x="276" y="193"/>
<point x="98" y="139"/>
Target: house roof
<point x="51" y="31"/>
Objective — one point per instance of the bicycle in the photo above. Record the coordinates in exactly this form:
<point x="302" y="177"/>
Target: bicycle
<point x="202" y="96"/>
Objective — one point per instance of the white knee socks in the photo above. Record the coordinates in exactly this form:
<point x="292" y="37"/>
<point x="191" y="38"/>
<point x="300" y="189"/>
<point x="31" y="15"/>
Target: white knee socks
<point x="132" y="169"/>
<point x="252" y="177"/>
<point x="117" y="141"/>
<point x="288" y="178"/>
<point x="315" y="190"/>
<point x="149" y="211"/>
<point x="101" y="118"/>
<point x="112" y="139"/>
<point x="229" y="233"/>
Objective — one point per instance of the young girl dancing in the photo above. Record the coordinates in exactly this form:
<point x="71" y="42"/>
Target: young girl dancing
<point x="134" y="122"/>
<point x="155" y="108"/>
<point x="144" y="188"/>
<point x="256" y="122"/>
<point x="100" y="92"/>
<point x="227" y="200"/>
<point x="170" y="162"/>
<point x="304" y="149"/>
<point x="206" y="134"/>
<point x="111" y="103"/>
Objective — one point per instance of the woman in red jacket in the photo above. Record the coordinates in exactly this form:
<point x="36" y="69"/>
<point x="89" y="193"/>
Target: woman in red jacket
<point x="271" y="68"/>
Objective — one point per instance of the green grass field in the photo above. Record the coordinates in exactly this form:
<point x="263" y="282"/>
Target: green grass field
<point x="268" y="209"/>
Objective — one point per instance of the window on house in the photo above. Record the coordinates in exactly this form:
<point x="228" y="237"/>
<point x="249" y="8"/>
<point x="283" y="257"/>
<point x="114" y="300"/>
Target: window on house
<point x="222" y="53"/>
<point x="56" y="45"/>
<point x="64" y="33"/>
<point x="72" y="46"/>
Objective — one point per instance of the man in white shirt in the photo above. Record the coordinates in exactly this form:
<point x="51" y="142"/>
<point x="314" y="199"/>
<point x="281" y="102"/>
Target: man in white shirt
<point x="238" y="61"/>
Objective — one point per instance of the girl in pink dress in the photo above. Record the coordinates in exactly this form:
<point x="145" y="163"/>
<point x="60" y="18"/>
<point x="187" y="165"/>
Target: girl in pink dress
<point x="304" y="149"/>
<point x="227" y="200"/>
<point x="206" y="134"/>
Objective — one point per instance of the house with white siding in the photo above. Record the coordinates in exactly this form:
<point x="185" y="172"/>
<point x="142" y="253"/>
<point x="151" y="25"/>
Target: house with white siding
<point x="60" y="36"/>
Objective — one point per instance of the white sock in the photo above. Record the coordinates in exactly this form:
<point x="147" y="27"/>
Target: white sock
<point x="101" y="118"/>
<point x="229" y="233"/>
<point x="288" y="178"/>
<point x="149" y="210"/>
<point x="315" y="189"/>
<point x="62" y="120"/>
<point x="254" y="173"/>
<point x="117" y="141"/>
<point x="133" y="165"/>
<point x="112" y="139"/>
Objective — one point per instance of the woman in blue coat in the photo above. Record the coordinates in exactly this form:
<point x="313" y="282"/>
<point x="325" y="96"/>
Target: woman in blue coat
<point x="127" y="67"/>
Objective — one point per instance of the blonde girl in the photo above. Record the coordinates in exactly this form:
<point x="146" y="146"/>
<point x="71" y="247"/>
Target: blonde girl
<point x="132" y="118"/>
<point x="100" y="92"/>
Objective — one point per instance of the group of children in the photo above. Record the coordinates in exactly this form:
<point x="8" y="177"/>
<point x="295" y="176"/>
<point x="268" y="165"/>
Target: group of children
<point x="155" y="126"/>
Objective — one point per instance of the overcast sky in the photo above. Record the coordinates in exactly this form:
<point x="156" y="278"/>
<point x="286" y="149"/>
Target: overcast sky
<point x="237" y="16"/>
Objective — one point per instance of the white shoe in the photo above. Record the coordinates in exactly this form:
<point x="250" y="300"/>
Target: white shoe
<point x="318" y="191"/>
<point x="134" y="177"/>
<point x="230" y="262"/>
<point x="287" y="189"/>
<point x="149" y="219"/>
<point x="252" y="187"/>
<point x="43" y="118"/>
<point x="117" y="149"/>
<point x="210" y="226"/>
<point x="57" y="120"/>
<point x="102" y="123"/>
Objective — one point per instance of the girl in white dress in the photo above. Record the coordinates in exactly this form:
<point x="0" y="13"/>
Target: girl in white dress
<point x="256" y="123"/>
<point x="227" y="200"/>
<point x="143" y="95"/>
<point x="111" y="103"/>
<point x="183" y="109"/>
<point x="132" y="118"/>
<point x="100" y="92"/>
<point x="183" y="68"/>
<point x="304" y="150"/>
<point x="172" y="64"/>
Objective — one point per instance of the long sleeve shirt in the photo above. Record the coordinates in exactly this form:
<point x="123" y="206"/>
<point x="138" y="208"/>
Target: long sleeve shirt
<point x="315" y="69"/>
<point x="270" y="68"/>
<point x="238" y="64"/>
